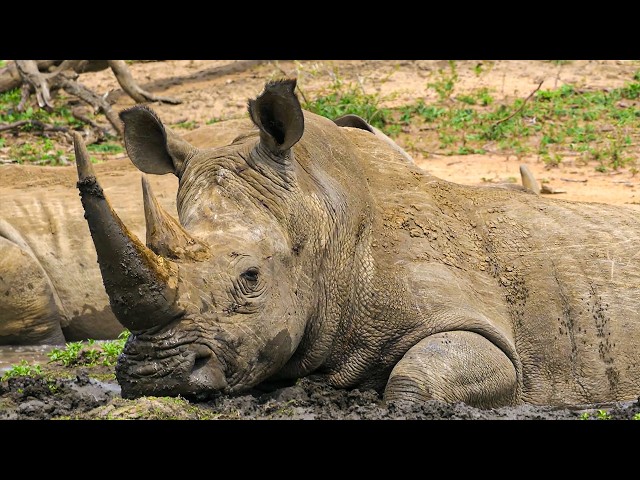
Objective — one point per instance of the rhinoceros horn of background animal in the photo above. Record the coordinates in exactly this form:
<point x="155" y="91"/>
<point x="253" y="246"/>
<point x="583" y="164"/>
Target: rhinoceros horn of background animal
<point x="308" y="246"/>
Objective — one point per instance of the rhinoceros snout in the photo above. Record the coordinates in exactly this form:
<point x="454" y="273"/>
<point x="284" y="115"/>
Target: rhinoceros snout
<point x="191" y="372"/>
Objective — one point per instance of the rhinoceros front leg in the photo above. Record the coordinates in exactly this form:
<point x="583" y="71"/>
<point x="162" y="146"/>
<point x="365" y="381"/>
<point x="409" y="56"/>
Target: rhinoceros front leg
<point x="457" y="366"/>
<point x="29" y="308"/>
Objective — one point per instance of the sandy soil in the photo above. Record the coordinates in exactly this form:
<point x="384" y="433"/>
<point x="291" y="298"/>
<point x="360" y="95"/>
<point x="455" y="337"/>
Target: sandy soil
<point x="211" y="89"/>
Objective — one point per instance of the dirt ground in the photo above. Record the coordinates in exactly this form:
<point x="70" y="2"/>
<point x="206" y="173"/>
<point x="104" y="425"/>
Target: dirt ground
<point x="212" y="89"/>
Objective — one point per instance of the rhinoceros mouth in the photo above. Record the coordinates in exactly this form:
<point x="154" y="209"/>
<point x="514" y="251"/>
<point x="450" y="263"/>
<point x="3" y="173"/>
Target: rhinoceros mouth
<point x="169" y="368"/>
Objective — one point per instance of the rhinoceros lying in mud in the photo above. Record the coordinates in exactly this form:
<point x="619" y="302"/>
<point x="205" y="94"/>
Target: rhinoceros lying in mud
<point x="51" y="290"/>
<point x="307" y="247"/>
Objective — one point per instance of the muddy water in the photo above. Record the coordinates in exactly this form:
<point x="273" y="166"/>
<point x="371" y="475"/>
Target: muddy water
<point x="12" y="355"/>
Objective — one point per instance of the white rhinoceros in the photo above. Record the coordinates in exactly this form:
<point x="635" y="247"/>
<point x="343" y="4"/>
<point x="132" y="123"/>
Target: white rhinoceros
<point x="310" y="248"/>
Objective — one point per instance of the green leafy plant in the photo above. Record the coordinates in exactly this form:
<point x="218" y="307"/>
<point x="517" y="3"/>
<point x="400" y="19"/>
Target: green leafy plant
<point x="89" y="352"/>
<point x="446" y="82"/>
<point x="341" y="100"/>
<point x="42" y="152"/>
<point x="68" y="356"/>
<point x="599" y="125"/>
<point x="599" y="414"/>
<point x="22" y="369"/>
<point x="107" y="147"/>
<point x="9" y="113"/>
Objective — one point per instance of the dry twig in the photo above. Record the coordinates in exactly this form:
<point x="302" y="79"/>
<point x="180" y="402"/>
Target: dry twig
<point x="521" y="106"/>
<point x="36" y="123"/>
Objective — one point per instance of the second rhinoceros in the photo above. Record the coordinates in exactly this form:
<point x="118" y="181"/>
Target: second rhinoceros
<point x="309" y="247"/>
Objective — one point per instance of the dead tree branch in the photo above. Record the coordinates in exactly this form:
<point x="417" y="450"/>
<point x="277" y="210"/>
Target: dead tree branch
<point x="128" y="84"/>
<point x="10" y="77"/>
<point x="35" y="123"/>
<point x="30" y="74"/>
<point x="521" y="106"/>
<point x="96" y="101"/>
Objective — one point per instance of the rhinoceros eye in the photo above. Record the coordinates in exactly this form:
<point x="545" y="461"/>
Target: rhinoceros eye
<point x="250" y="276"/>
<point x="249" y="287"/>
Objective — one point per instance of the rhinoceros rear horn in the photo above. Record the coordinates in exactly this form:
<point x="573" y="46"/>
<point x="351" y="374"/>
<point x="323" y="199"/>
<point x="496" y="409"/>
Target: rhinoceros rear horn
<point x="165" y="236"/>
<point x="142" y="286"/>
<point x="278" y="115"/>
<point x="150" y="146"/>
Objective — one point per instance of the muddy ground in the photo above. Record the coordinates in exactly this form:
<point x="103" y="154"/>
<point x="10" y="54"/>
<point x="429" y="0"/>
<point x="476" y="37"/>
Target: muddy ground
<point x="91" y="393"/>
<point x="211" y="89"/>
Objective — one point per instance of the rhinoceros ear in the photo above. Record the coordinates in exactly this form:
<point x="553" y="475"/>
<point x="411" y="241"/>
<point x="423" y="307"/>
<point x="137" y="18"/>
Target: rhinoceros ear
<point x="150" y="146"/>
<point x="278" y="115"/>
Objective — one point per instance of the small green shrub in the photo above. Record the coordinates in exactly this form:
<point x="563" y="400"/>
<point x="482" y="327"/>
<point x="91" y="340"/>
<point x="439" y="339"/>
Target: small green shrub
<point x="343" y="100"/>
<point x="445" y="84"/>
<point x="599" y="414"/>
<point x="107" y="147"/>
<point x="89" y="352"/>
<point x="22" y="369"/>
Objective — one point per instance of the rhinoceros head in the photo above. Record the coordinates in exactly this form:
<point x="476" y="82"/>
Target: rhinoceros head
<point x="219" y="301"/>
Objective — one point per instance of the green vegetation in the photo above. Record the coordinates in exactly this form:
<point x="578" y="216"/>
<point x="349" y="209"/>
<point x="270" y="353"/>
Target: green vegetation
<point x="446" y="82"/>
<point x="342" y="99"/>
<point x="187" y="125"/>
<point x="106" y="147"/>
<point x="598" y="126"/>
<point x="587" y="125"/>
<point x="599" y="414"/>
<point x="75" y="354"/>
<point x="90" y="352"/>
<point x="42" y="150"/>
<point x="22" y="369"/>
<point x="60" y="116"/>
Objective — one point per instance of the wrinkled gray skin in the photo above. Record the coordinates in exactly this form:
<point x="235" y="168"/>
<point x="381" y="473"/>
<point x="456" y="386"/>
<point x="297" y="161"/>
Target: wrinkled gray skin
<point x="307" y="247"/>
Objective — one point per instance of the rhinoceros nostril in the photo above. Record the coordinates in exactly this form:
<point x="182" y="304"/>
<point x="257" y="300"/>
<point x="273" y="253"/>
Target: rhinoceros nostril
<point x="200" y="362"/>
<point x="202" y="356"/>
<point x="207" y="374"/>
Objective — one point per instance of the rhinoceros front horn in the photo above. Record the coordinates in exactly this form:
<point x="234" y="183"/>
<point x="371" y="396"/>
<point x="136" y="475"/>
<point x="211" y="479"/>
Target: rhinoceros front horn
<point x="141" y="285"/>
